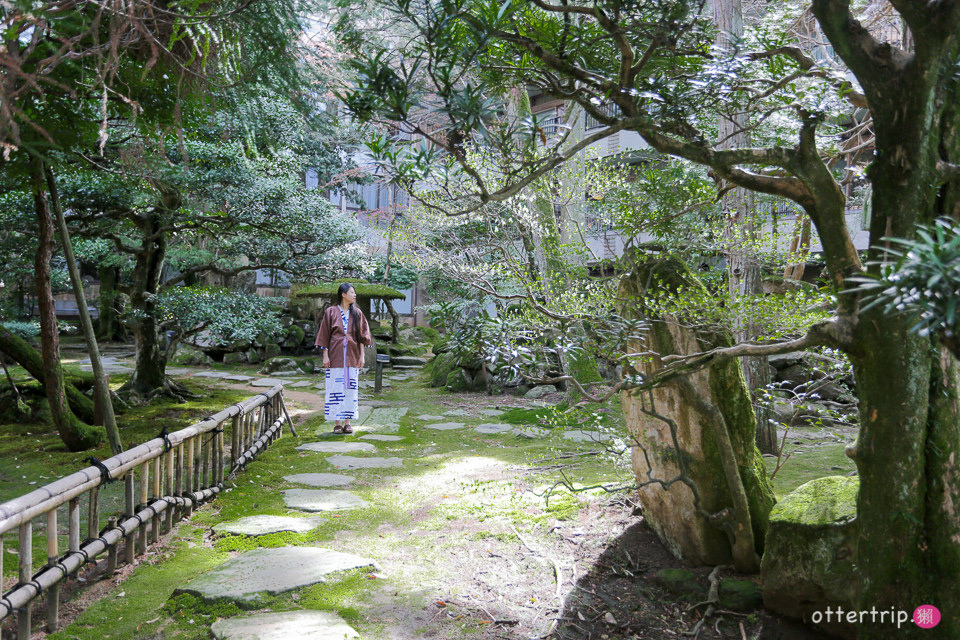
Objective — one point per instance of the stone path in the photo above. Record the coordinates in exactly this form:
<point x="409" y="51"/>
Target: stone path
<point x="246" y="577"/>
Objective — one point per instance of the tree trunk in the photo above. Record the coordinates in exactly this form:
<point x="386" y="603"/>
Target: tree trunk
<point x="149" y="374"/>
<point x="743" y="267"/>
<point x="76" y="435"/>
<point x="101" y="388"/>
<point x="28" y="358"/>
<point x="109" y="328"/>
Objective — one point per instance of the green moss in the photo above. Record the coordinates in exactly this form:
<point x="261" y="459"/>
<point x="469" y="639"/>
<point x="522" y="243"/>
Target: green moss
<point x="823" y="501"/>
<point x="329" y="290"/>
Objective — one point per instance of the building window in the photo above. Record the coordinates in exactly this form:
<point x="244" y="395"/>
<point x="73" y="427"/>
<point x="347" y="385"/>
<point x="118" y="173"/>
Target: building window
<point x="590" y="122"/>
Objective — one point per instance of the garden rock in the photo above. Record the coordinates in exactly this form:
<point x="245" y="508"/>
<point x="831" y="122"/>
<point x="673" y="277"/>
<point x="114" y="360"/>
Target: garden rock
<point x="442" y="366"/>
<point x="682" y="583"/>
<point x="585" y="436"/>
<point x="253" y="357"/>
<point x="320" y="479"/>
<point x="272" y="571"/>
<point x="538" y="392"/>
<point x="532" y="433"/>
<point x="809" y="559"/>
<point x="278" y="364"/>
<point x="427" y="417"/>
<point x="492" y="427"/>
<point x="336" y="447"/>
<point x="322" y="500"/>
<point x="382" y="438"/>
<point x="263" y="525"/>
<point x="351" y="462"/>
<point x="408" y="361"/>
<point x="302" y="625"/>
<point x="740" y="595"/>
<point x="268" y="382"/>
<point x="446" y="426"/>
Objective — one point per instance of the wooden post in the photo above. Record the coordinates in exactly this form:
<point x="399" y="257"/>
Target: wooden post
<point x="168" y="489"/>
<point x="93" y="513"/>
<point x="129" y="509"/>
<point x="178" y="480"/>
<point x="235" y="426"/>
<point x="73" y="515"/>
<point x="2" y="590"/>
<point x="221" y="444"/>
<point x="53" y="554"/>
<point x="197" y="463"/>
<point x="205" y="450"/>
<point x="26" y="573"/>
<point x="144" y="496"/>
<point x="112" y="552"/>
<point x="157" y="479"/>
<point x="188" y="474"/>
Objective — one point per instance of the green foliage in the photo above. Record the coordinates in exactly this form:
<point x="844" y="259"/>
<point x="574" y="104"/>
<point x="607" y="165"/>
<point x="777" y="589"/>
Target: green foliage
<point x="24" y="330"/>
<point x="923" y="281"/>
<point x="227" y="316"/>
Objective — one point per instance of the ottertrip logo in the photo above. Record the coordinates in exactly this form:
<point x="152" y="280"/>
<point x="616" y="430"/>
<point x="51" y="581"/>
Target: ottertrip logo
<point x="925" y="616"/>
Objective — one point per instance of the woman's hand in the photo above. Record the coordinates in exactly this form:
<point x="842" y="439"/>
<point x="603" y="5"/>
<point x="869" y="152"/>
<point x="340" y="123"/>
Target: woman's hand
<point x="326" y="359"/>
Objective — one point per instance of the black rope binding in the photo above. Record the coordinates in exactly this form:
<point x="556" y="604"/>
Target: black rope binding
<point x="104" y="472"/>
<point x="167" y="445"/>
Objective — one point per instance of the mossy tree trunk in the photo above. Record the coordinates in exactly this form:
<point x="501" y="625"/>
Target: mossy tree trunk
<point x="76" y="435"/>
<point x="109" y="327"/>
<point x="703" y="483"/>
<point x="149" y="376"/>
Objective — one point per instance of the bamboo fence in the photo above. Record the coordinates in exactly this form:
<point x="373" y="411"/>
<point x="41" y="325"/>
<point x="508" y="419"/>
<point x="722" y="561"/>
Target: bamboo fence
<point x="164" y="479"/>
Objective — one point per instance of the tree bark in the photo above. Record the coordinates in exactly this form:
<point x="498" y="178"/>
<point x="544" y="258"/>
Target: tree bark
<point x="28" y="358"/>
<point x="150" y="369"/>
<point x="101" y="387"/>
<point x="76" y="435"/>
<point x="108" y="324"/>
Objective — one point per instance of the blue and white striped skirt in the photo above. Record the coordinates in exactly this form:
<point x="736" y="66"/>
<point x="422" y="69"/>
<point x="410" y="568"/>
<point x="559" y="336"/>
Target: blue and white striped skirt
<point x="341" y="396"/>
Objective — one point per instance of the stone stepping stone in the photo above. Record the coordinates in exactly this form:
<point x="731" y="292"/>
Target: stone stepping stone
<point x="458" y="412"/>
<point x="273" y="571"/>
<point x="212" y="374"/>
<point x="532" y="433"/>
<point x="322" y="500"/>
<point x="352" y="462"/>
<point x="262" y="525"/>
<point x="268" y="382"/>
<point x="446" y="426"/>
<point x="303" y="625"/>
<point x="387" y="415"/>
<point x="382" y="438"/>
<point x="586" y="436"/>
<point x="336" y="447"/>
<point x="176" y="371"/>
<point x="369" y="426"/>
<point x="320" y="479"/>
<point x="300" y="384"/>
<point x="493" y="413"/>
<point x="493" y="427"/>
<point x="426" y="417"/>
<point x="407" y="367"/>
<point x="239" y="378"/>
<point x="289" y="373"/>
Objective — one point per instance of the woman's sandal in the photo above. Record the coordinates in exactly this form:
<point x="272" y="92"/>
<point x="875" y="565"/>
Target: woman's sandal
<point x="338" y="429"/>
<point x="347" y="428"/>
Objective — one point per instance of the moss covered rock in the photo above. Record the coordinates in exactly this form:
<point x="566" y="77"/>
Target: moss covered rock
<point x="809" y="563"/>
<point x="740" y="595"/>
<point x="440" y="368"/>
<point x="681" y="583"/>
<point x="459" y="380"/>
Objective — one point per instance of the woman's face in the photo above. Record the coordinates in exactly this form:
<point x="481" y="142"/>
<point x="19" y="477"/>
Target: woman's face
<point x="350" y="296"/>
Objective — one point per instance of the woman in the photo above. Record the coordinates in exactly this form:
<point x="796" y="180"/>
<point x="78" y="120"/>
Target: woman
<point x="342" y="332"/>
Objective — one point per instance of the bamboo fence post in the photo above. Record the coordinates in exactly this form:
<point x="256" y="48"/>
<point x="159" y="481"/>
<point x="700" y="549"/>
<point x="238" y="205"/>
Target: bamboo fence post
<point x="2" y="590"/>
<point x="157" y="480"/>
<point x="93" y="513"/>
<point x="235" y="440"/>
<point x="221" y="444"/>
<point x="130" y="549"/>
<point x="205" y="460"/>
<point x="197" y="463"/>
<point x="178" y="480"/>
<point x="144" y="496"/>
<point x="168" y="490"/>
<point x="53" y="554"/>
<point x="26" y="573"/>
<point x="73" y="515"/>
<point x="188" y="476"/>
<point x="112" y="552"/>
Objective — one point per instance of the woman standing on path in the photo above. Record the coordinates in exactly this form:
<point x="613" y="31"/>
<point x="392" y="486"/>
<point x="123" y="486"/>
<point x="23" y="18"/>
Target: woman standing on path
<point x="342" y="331"/>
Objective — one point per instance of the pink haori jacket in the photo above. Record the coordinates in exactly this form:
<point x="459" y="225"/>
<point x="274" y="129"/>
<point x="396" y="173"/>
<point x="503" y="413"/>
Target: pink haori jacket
<point x="331" y="336"/>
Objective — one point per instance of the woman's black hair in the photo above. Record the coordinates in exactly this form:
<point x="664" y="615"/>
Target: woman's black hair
<point x="354" y="310"/>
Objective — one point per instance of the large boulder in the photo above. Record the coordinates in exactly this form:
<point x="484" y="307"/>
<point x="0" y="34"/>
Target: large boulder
<point x="278" y="364"/>
<point x="809" y="563"/>
<point x="672" y="414"/>
<point x="235" y="357"/>
<point x="440" y="368"/>
<point x="190" y="356"/>
<point x="459" y="380"/>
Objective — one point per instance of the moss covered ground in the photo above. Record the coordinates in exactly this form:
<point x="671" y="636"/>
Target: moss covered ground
<point x="469" y="518"/>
